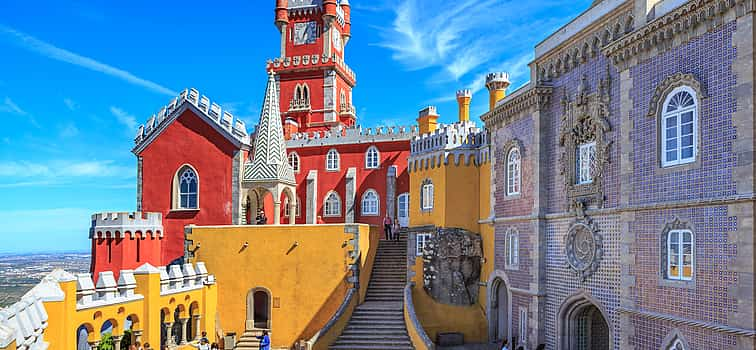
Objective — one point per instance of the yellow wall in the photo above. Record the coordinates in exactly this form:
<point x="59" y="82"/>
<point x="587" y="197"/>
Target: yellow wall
<point x="486" y="230"/>
<point x="64" y="318"/>
<point x="461" y="195"/>
<point x="307" y="280"/>
<point x="435" y="216"/>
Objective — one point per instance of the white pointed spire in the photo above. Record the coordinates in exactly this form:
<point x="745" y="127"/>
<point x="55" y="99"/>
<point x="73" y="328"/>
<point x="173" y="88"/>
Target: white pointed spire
<point x="270" y="162"/>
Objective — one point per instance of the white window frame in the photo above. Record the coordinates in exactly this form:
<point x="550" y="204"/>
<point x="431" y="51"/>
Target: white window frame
<point x="178" y="193"/>
<point x="524" y="326"/>
<point x="674" y="345"/>
<point x="680" y="257"/>
<point x="420" y="240"/>
<point x="427" y="197"/>
<point x="294" y="161"/>
<point x="364" y="202"/>
<point x="333" y="160"/>
<point x="287" y="208"/>
<point x="513" y="249"/>
<point x="372" y="158"/>
<point x="585" y="159"/>
<point x="678" y="128"/>
<point x="514" y="183"/>
<point x="326" y="205"/>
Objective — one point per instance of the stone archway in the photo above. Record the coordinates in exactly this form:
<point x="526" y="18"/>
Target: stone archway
<point x="582" y="324"/>
<point x="258" y="309"/>
<point x="499" y="307"/>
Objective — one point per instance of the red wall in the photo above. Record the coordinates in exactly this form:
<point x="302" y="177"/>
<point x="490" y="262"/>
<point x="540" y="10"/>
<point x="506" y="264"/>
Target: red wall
<point x="188" y="140"/>
<point x="126" y="253"/>
<point x="352" y="155"/>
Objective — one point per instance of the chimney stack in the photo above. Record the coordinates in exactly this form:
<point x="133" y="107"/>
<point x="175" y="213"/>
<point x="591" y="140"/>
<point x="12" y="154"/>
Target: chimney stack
<point x="428" y="120"/>
<point x="497" y="84"/>
<point x="463" y="99"/>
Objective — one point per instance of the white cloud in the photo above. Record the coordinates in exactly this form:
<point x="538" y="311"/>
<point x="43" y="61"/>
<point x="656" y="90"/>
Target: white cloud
<point x="123" y="117"/>
<point x="70" y="104"/>
<point x="63" y="169"/>
<point x="68" y="130"/>
<point x="11" y="107"/>
<point x="33" y="44"/>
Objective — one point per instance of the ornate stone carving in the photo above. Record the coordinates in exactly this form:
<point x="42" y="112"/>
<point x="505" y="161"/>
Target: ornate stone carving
<point x="670" y="83"/>
<point x="451" y="266"/>
<point x="583" y="246"/>
<point x="585" y="120"/>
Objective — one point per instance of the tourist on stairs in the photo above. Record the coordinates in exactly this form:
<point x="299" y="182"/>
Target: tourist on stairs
<point x="387" y="227"/>
<point x="264" y="341"/>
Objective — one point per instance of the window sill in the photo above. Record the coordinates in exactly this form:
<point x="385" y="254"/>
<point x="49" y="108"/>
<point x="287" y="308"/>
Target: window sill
<point x="513" y="196"/>
<point x="512" y="267"/>
<point x="373" y="215"/>
<point x="331" y="216"/>
<point x="183" y="210"/>
<point x="333" y="170"/>
<point x="687" y="284"/>
<point x="669" y="169"/>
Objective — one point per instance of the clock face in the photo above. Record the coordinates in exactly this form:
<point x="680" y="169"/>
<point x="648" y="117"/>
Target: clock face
<point x="336" y="39"/>
<point x="304" y="33"/>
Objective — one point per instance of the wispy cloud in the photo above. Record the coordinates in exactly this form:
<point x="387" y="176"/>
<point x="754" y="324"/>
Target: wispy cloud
<point x="70" y="104"/>
<point x="48" y="50"/>
<point x="123" y="117"/>
<point x="68" y="130"/>
<point x="461" y="41"/>
<point x="63" y="169"/>
<point x="11" y="107"/>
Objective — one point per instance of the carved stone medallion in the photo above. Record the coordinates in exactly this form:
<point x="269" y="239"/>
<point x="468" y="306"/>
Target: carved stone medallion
<point x="583" y="247"/>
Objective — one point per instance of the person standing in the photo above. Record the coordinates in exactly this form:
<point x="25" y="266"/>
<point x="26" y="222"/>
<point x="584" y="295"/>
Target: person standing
<point x="395" y="229"/>
<point x="387" y="228"/>
<point x="264" y="341"/>
<point x="504" y="345"/>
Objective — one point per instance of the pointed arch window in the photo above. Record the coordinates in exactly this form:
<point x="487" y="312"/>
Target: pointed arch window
<point x="513" y="172"/>
<point x="332" y="160"/>
<point x="332" y="205"/>
<point x="294" y="161"/>
<point x="679" y="127"/>
<point x="370" y="203"/>
<point x="372" y="158"/>
<point x="186" y="188"/>
<point x="677" y="345"/>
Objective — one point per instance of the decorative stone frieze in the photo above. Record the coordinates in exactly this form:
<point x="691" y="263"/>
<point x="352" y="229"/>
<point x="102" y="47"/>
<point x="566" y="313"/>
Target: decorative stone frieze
<point x="451" y="266"/>
<point x="510" y="107"/>
<point x="585" y="120"/>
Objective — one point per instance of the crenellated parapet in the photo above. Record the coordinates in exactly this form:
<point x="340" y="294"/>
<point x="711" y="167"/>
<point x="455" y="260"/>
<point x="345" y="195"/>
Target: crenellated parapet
<point x="119" y="225"/>
<point x="223" y="120"/>
<point x="307" y="61"/>
<point x="340" y="135"/>
<point x="24" y="324"/>
<point x="461" y="143"/>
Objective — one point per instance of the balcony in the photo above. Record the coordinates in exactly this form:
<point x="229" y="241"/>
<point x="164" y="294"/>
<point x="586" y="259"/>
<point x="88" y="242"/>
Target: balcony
<point x="299" y="104"/>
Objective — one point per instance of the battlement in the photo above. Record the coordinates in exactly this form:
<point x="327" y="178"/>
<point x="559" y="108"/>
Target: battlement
<point x="120" y="224"/>
<point x="311" y="61"/>
<point x="223" y="119"/>
<point x="341" y="135"/>
<point x="24" y="322"/>
<point x="498" y="80"/>
<point x="460" y="135"/>
<point x="430" y="110"/>
<point x="464" y="93"/>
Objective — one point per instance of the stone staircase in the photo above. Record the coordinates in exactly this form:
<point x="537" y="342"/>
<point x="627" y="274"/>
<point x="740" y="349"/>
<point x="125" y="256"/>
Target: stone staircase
<point x="378" y="323"/>
<point x="248" y="340"/>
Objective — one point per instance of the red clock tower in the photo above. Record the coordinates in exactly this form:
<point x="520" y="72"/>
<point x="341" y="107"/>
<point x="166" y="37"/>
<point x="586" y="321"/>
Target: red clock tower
<point x="315" y="84"/>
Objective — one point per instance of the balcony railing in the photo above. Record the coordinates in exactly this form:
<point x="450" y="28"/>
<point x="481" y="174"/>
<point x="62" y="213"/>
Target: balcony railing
<point x="299" y="104"/>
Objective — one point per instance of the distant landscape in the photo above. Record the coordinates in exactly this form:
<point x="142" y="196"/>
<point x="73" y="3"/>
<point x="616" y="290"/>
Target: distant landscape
<point x="21" y="272"/>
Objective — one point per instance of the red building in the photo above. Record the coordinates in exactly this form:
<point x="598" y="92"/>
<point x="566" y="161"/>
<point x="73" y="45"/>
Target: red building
<point x="194" y="159"/>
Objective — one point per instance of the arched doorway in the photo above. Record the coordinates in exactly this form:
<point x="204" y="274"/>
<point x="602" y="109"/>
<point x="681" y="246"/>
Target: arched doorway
<point x="258" y="309"/>
<point x="83" y="335"/>
<point x="582" y="325"/>
<point x="499" y="319"/>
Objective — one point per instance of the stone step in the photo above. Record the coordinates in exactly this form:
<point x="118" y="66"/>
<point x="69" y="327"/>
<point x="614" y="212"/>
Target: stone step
<point x="369" y="347"/>
<point x="387" y="342"/>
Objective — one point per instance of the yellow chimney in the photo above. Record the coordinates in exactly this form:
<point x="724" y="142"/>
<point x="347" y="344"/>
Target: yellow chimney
<point x="428" y="120"/>
<point x="463" y="99"/>
<point x="497" y="84"/>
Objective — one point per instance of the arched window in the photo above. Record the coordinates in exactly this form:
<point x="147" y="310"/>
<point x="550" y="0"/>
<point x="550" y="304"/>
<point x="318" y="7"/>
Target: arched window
<point x="426" y="195"/>
<point x="513" y="172"/>
<point x="332" y="206"/>
<point x="342" y="99"/>
<point x="679" y="248"/>
<point x="676" y="345"/>
<point x="372" y="158"/>
<point x="679" y="127"/>
<point x="513" y="249"/>
<point x="298" y="92"/>
<point x="294" y="161"/>
<point x="287" y="207"/>
<point x="370" y="203"/>
<point x="186" y="189"/>
<point x="306" y="93"/>
<point x="332" y="160"/>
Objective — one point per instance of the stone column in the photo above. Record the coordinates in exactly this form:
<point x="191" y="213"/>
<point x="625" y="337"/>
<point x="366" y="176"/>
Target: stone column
<point x="277" y="212"/>
<point x="117" y="342"/>
<point x="312" y="197"/>
<point x="169" y="340"/>
<point x="293" y="211"/>
<point x="183" y="322"/>
<point x="94" y="345"/>
<point x="197" y="327"/>
<point x="391" y="192"/>
<point x="350" y="195"/>
<point x="137" y="336"/>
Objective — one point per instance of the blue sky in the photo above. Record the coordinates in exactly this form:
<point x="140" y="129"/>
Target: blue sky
<point x="77" y="77"/>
